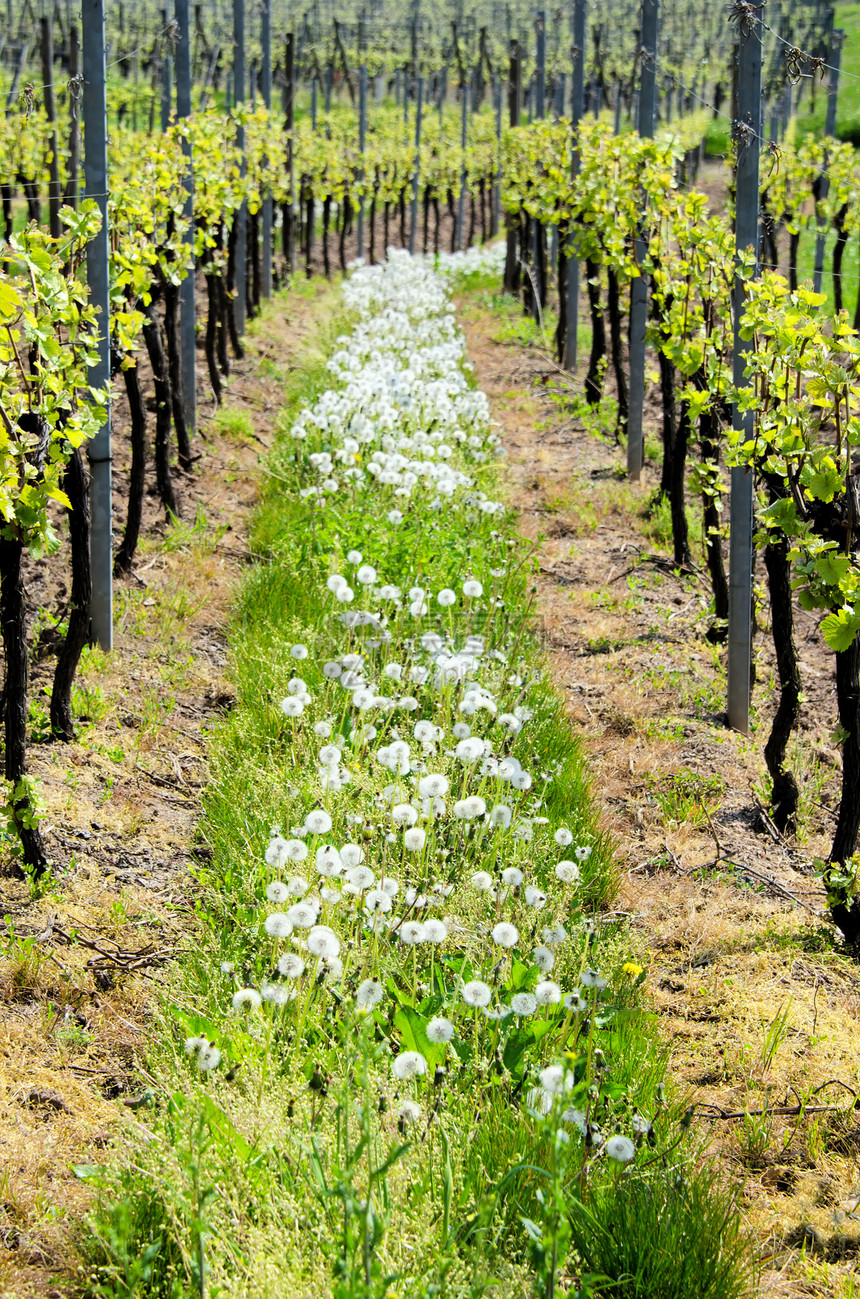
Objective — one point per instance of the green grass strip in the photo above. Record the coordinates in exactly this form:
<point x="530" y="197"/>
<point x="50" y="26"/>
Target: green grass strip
<point x="366" y="1129"/>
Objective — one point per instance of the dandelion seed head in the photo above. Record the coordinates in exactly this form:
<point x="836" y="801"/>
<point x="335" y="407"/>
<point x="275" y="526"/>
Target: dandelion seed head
<point x="548" y="993"/>
<point x="247" y="999"/>
<point x="524" y="1003"/>
<point x="435" y="931"/>
<point x="439" y="1029"/>
<point x="620" y="1149"/>
<point x="368" y="994"/>
<point x="505" y="934"/>
<point x="476" y="993"/>
<point x="409" y="1064"/>
<point x="278" y="925"/>
<point x="318" y="822"/>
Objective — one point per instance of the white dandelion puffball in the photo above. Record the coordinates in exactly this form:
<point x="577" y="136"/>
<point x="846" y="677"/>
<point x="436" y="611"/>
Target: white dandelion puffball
<point x="328" y="861"/>
<point x="548" y="993"/>
<point x="592" y="979"/>
<point x="299" y="651"/>
<point x="277" y="892"/>
<point x="500" y="816"/>
<point x="276" y="993"/>
<point x="505" y="935"/>
<point x="434" y="785"/>
<point x="247" y="999"/>
<point x="512" y="876"/>
<point x="323" y="941"/>
<point x="278" y="925"/>
<point x="471" y="589"/>
<point x="368" y="994"/>
<point x="534" y="897"/>
<point x="582" y="854"/>
<point x="543" y="959"/>
<point x="621" y="1149"/>
<point x="318" y="822"/>
<point x="280" y="851"/>
<point x="361" y="877"/>
<point x="376" y="902"/>
<point x="404" y="814"/>
<point x="302" y="915"/>
<point x="353" y="557"/>
<point x="446" y="597"/>
<point x="435" y="931"/>
<point x="482" y="880"/>
<point x="414" y="839"/>
<point x="291" y="966"/>
<point x="470" y="750"/>
<point x="292" y="706"/>
<point x="567" y="872"/>
<point x="476" y="993"/>
<point x="439" y="1029"/>
<point x="563" y="836"/>
<point x="554" y="1079"/>
<point x="411" y="932"/>
<point x="366" y="575"/>
<point x="409" y="1064"/>
<point x="208" y="1057"/>
<point x="575" y="1001"/>
<point x="408" y="1111"/>
<point x="524" y="1003"/>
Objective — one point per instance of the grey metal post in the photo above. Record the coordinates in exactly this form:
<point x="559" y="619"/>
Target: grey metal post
<point x="416" y="179"/>
<point x="166" y="89"/>
<point x="187" y="342"/>
<point x="266" y="88"/>
<point x="497" y="188"/>
<point x="48" y="92"/>
<point x="748" y="131"/>
<point x="540" y="82"/>
<point x="289" y="124"/>
<point x="242" y="214"/>
<point x="829" y="131"/>
<point x="577" y="109"/>
<point x="464" y="135"/>
<point x="71" y="196"/>
<point x="362" y="141"/>
<point x="98" y="254"/>
<point x="639" y="286"/>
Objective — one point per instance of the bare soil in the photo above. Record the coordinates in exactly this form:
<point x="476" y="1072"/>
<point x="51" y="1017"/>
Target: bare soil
<point x="79" y="966"/>
<point x="757" y="1003"/>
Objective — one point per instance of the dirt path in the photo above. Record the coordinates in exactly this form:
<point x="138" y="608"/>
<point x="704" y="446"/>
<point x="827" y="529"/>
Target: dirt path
<point x="78" y="966"/>
<point x="757" y="1006"/>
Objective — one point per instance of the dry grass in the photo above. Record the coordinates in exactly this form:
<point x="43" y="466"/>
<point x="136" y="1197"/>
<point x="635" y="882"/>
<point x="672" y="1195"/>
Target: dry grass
<point x="756" y="1001"/>
<point x="120" y="810"/>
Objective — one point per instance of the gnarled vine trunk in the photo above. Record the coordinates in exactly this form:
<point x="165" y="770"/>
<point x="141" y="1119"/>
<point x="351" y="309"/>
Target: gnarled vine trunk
<point x="594" y="377"/>
<point x="163" y="407"/>
<point x="786" y="794"/>
<point x="75" y="485"/>
<point x="846" y="914"/>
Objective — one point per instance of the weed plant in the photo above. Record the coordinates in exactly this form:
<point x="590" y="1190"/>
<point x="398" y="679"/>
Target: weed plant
<point x="406" y="1053"/>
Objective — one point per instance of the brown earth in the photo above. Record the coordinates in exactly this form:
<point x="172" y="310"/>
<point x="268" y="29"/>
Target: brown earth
<point x="755" y="999"/>
<point x="79" y="964"/>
